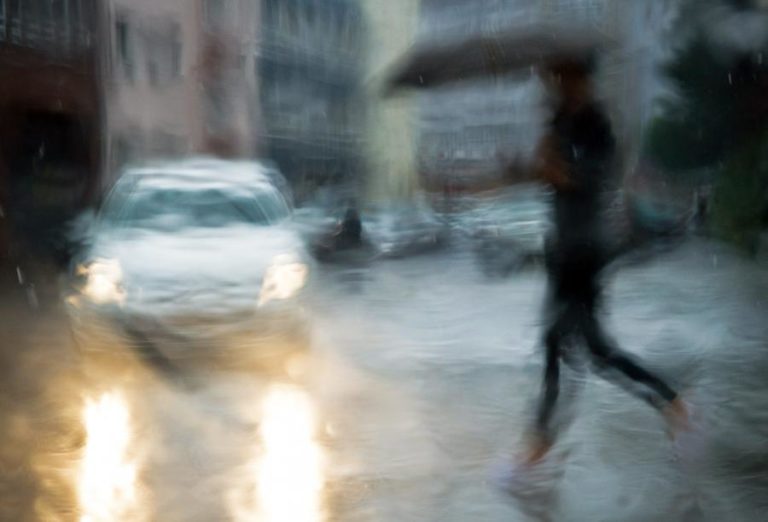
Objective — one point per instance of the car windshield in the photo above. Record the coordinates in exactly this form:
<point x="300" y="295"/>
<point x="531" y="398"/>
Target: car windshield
<point x="189" y="208"/>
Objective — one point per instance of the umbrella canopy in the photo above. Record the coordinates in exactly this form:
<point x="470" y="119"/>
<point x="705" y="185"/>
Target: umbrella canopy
<point x="502" y="52"/>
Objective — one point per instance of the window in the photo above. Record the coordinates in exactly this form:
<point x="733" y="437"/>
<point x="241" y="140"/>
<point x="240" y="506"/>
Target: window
<point x="46" y="22"/>
<point x="153" y="74"/>
<point x="2" y="20"/>
<point x="291" y="21"/>
<point x="162" y="54"/>
<point x="218" y="108"/>
<point x="30" y="21"/>
<point x="75" y="23"/>
<point x="59" y="27"/>
<point x="58" y="13"/>
<point x="124" y="47"/>
<point x="269" y="11"/>
<point x="45" y="11"/>
<point x="176" y="51"/>
<point x="214" y="13"/>
<point x="13" y="12"/>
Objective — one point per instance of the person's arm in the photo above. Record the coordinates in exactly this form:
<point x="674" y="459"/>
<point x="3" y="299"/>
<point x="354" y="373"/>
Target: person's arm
<point x="549" y="166"/>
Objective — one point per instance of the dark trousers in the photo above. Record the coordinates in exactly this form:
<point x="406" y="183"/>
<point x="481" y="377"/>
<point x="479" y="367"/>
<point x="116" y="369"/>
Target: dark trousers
<point x="574" y="319"/>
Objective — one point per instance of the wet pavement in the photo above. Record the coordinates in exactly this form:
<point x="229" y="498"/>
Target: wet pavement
<point x="418" y="381"/>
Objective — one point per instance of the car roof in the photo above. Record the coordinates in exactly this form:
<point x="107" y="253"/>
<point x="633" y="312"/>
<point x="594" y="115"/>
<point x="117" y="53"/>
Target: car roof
<point x="203" y="172"/>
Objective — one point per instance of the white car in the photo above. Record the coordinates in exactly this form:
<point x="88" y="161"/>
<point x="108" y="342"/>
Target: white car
<point x="509" y="230"/>
<point x="405" y="229"/>
<point x="196" y="257"/>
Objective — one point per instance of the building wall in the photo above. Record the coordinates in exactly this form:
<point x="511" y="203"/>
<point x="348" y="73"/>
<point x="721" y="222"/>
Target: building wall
<point x="390" y="133"/>
<point x="310" y="74"/>
<point x="180" y="78"/>
<point x="228" y="76"/>
<point x="473" y="129"/>
<point x="153" y="107"/>
<point x="469" y="130"/>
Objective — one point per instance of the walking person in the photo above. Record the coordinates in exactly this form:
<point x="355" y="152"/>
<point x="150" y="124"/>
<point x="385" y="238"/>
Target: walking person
<point x="575" y="157"/>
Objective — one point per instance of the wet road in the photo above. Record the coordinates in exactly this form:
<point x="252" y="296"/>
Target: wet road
<point x="420" y="377"/>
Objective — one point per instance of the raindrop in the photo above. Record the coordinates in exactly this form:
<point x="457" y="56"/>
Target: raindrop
<point x="730" y="79"/>
<point x="19" y="275"/>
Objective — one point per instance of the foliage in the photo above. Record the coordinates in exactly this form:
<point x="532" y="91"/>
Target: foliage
<point x="717" y="121"/>
<point x="740" y="194"/>
<point x="719" y="102"/>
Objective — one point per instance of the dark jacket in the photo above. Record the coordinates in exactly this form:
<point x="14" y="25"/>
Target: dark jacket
<point x="577" y="251"/>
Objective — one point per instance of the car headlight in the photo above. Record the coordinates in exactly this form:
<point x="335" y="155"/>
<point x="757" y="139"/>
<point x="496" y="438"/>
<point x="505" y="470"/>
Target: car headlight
<point x="103" y="281"/>
<point x="283" y="279"/>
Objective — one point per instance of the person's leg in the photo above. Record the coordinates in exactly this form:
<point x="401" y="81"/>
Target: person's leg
<point x="608" y="356"/>
<point x="654" y="390"/>
<point x="543" y="435"/>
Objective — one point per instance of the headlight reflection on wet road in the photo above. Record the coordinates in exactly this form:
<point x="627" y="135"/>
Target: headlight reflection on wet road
<point x="289" y="464"/>
<point x="107" y="479"/>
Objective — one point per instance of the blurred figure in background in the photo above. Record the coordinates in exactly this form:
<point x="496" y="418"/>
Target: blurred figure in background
<point x="347" y="237"/>
<point x="350" y="231"/>
<point x="574" y="157"/>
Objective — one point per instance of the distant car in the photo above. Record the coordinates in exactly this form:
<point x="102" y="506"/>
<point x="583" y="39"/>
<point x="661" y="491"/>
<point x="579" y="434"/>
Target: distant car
<point x="507" y="230"/>
<point x="196" y="257"/>
<point x="392" y="230"/>
<point x="404" y="229"/>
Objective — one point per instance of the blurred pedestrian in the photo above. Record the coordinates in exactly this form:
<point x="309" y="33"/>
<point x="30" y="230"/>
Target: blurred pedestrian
<point x="350" y="231"/>
<point x="575" y="158"/>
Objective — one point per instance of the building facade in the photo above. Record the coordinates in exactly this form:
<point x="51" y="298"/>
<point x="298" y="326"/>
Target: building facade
<point x="473" y="130"/>
<point x="180" y="79"/>
<point x="91" y="85"/>
<point x="310" y="90"/>
<point x="468" y="130"/>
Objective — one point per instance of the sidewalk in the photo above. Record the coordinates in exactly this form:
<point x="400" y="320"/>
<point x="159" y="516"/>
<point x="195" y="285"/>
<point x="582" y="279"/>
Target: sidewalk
<point x="447" y="369"/>
<point x="707" y="325"/>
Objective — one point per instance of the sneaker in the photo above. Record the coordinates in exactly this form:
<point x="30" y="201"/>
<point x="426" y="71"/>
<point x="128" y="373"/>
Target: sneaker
<point x="677" y="415"/>
<point x="537" y="451"/>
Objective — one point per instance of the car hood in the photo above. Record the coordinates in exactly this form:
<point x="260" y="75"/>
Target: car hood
<point x="197" y="269"/>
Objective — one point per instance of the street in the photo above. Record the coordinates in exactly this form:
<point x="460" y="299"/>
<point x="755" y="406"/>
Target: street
<point x="288" y="261"/>
<point x="419" y="381"/>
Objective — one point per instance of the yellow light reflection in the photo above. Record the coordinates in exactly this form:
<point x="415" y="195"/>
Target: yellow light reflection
<point x="107" y="478"/>
<point x="283" y="281"/>
<point x="103" y="281"/>
<point x="290" y="465"/>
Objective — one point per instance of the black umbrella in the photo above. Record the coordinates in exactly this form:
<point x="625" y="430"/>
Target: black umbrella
<point x="503" y="52"/>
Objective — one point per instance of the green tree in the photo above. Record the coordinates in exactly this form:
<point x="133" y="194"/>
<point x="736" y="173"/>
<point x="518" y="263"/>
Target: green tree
<point x="717" y="121"/>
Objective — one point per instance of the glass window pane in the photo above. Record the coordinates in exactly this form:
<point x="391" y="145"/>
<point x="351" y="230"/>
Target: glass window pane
<point x="2" y="20"/>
